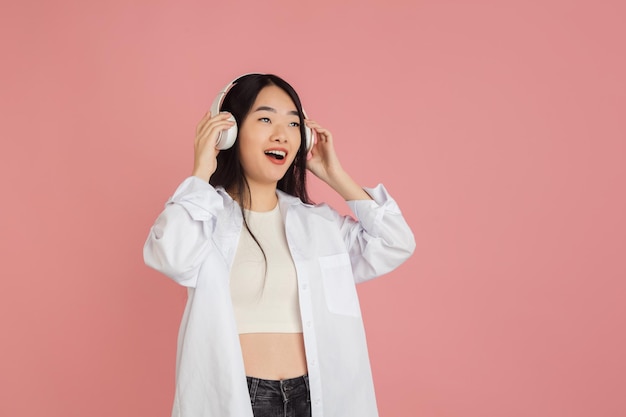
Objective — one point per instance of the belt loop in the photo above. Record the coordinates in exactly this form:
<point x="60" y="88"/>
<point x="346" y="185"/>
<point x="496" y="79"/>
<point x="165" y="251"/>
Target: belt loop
<point x="253" y="385"/>
<point x="308" y="389"/>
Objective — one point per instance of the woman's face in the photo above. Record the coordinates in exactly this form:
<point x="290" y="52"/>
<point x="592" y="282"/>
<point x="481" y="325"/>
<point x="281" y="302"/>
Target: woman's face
<point x="269" y="137"/>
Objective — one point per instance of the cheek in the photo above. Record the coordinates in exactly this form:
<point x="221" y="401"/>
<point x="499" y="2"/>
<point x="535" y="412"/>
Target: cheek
<point x="246" y="143"/>
<point x="297" y="145"/>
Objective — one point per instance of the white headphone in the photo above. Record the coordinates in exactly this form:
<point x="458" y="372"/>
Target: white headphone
<point x="227" y="137"/>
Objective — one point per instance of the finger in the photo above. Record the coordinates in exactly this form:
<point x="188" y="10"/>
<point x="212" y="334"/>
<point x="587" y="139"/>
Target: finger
<point x="203" y="121"/>
<point x="212" y="126"/>
<point x="312" y="124"/>
<point x="208" y="118"/>
<point x="318" y="129"/>
<point x="324" y="135"/>
<point x="220" y="123"/>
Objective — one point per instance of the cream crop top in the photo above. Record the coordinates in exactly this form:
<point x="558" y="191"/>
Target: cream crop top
<point x="265" y="303"/>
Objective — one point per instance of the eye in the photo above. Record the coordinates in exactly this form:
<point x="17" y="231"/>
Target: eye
<point x="294" y="124"/>
<point x="265" y="119"/>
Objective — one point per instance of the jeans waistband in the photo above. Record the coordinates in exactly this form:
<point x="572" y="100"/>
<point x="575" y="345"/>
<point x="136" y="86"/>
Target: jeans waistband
<point x="284" y="389"/>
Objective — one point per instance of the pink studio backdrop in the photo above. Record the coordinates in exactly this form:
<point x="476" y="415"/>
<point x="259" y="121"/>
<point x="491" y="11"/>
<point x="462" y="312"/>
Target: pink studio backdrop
<point x="498" y="126"/>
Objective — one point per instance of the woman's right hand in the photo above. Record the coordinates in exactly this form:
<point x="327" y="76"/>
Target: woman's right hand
<point x="205" y="152"/>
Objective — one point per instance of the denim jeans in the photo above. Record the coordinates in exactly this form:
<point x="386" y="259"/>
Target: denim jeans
<point x="285" y="398"/>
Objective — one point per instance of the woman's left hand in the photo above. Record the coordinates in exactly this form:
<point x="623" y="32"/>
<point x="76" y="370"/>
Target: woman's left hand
<point x="324" y="162"/>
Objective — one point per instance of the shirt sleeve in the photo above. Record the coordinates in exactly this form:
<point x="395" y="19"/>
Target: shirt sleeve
<point x="180" y="237"/>
<point x="379" y="240"/>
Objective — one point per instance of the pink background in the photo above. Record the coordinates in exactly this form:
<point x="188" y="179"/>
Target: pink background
<point x="498" y="126"/>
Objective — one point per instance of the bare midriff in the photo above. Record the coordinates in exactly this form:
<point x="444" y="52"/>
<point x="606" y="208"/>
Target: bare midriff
<point x="273" y="356"/>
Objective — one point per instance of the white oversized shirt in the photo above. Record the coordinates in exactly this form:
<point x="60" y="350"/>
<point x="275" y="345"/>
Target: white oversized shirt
<point x="194" y="240"/>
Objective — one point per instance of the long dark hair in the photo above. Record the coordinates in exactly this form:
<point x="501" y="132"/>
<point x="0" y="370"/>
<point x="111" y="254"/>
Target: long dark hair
<point x="229" y="173"/>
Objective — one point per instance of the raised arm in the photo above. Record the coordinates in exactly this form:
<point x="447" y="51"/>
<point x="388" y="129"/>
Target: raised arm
<point x="379" y="240"/>
<point x="180" y="237"/>
<point x="325" y="165"/>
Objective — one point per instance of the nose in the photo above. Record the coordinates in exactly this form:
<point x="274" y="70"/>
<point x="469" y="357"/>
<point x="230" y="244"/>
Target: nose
<point x="279" y="134"/>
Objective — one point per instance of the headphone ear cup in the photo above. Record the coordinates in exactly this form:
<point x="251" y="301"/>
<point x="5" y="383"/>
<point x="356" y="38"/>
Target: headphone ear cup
<point x="227" y="137"/>
<point x="308" y="133"/>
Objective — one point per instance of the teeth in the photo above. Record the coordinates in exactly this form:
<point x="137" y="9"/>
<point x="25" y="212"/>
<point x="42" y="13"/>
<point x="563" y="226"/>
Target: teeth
<point x="278" y="154"/>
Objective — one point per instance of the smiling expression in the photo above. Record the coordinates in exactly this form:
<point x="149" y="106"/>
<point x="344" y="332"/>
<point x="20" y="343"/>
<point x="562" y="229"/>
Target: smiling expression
<point x="269" y="137"/>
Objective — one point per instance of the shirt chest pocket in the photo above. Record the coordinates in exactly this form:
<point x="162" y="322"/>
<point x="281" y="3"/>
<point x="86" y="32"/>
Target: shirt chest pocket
<point x="339" y="288"/>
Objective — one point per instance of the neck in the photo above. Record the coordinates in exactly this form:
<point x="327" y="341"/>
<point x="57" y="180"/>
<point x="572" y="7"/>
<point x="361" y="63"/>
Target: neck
<point x="262" y="197"/>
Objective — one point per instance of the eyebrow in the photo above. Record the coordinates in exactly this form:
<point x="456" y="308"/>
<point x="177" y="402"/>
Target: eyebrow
<point x="273" y="110"/>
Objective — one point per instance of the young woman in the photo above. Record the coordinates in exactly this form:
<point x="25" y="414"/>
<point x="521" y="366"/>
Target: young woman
<point x="272" y="325"/>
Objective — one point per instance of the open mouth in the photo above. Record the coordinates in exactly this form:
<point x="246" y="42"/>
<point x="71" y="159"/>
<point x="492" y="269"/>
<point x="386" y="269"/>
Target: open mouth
<point x="279" y="155"/>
